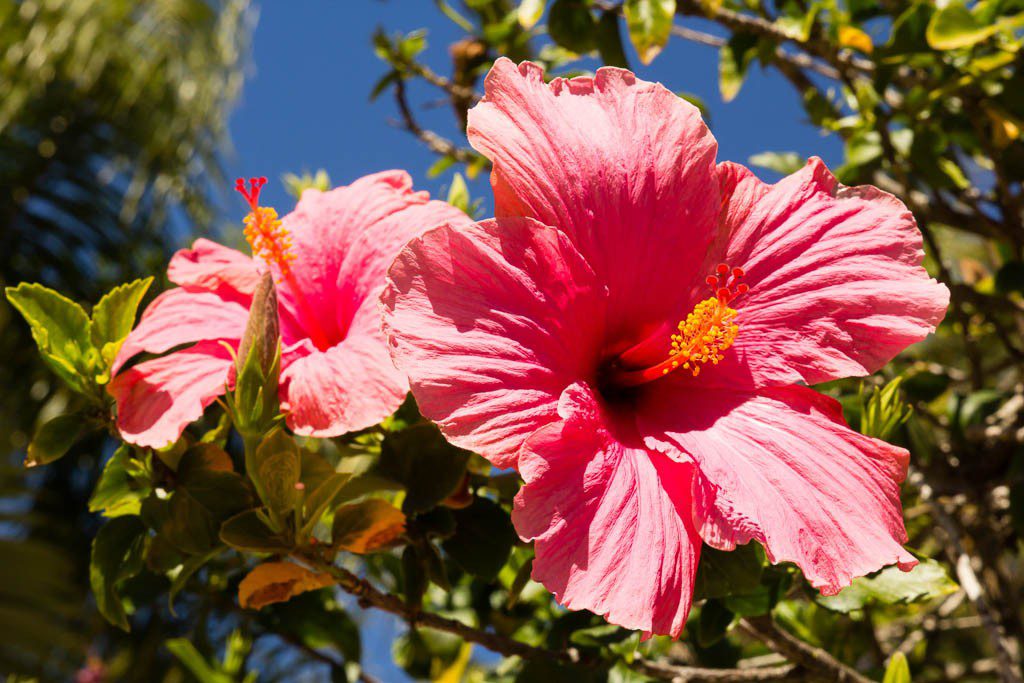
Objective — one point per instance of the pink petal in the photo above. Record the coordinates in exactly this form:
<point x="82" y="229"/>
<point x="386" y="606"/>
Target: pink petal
<point x="490" y="323"/>
<point x="179" y="316"/>
<point x="348" y="387"/>
<point x="836" y="283"/>
<point x="611" y="524"/>
<point x="624" y="167"/>
<point x="344" y="240"/>
<point x="157" y="399"/>
<point x="783" y="468"/>
<point x="215" y="268"/>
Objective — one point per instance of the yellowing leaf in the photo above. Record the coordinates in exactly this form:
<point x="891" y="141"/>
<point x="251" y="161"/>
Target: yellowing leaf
<point x="650" y="24"/>
<point x="1005" y="128"/>
<point x="367" y="526"/>
<point x="455" y="672"/>
<point x="530" y="12"/>
<point x="853" y="37"/>
<point x="278" y="582"/>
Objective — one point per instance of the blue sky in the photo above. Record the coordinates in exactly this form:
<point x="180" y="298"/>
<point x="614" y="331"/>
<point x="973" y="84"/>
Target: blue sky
<point x="305" y="106"/>
<point x="305" y="103"/>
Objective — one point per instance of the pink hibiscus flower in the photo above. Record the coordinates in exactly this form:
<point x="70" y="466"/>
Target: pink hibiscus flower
<point x="593" y="337"/>
<point x="329" y="258"/>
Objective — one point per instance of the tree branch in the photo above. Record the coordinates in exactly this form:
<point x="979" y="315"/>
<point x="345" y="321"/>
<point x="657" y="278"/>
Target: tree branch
<point x="369" y="596"/>
<point x="435" y="142"/>
<point x="812" y="658"/>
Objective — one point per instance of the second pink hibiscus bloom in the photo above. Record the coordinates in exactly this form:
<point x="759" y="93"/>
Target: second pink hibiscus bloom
<point x="329" y="257"/>
<point x="633" y="331"/>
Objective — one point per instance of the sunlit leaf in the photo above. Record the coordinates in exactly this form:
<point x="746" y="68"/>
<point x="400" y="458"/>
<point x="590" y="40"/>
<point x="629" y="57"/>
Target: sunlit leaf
<point x="278" y="582"/>
<point x="366" y="527"/>
<point x="650" y="25"/>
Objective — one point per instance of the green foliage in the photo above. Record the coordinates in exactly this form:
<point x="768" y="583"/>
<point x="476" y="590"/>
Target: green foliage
<point x="891" y="586"/>
<point x="898" y="670"/>
<point x="650" y="24"/>
<point x="116" y="555"/>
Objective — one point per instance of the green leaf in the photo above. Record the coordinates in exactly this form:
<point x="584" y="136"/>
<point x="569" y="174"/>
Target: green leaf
<point x="275" y="468"/>
<point x="780" y="162"/>
<point x="248" y="531"/>
<point x="323" y="497"/>
<point x="115" y="543"/>
<point x="609" y="40"/>
<point x="55" y="438"/>
<point x="733" y="60"/>
<point x="898" y="670"/>
<point x="891" y="586"/>
<point x="650" y="25"/>
<point x="122" y="486"/>
<point x="954" y="26"/>
<point x="424" y="463"/>
<point x="60" y="328"/>
<point x="571" y="25"/>
<point x="113" y="318"/>
<point x="713" y="624"/>
<point x="185" y="571"/>
<point x="458" y="193"/>
<point x="483" y="538"/>
<point x="197" y="665"/>
<point x="724" y="573"/>
<point x="529" y="12"/>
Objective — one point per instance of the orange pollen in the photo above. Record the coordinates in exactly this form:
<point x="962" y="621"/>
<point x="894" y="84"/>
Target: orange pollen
<point x="270" y="241"/>
<point x="702" y="337"/>
<point x="263" y="230"/>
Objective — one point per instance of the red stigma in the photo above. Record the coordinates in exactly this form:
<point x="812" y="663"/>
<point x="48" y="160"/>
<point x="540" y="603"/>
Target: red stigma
<point x="727" y="285"/>
<point x="252" y="194"/>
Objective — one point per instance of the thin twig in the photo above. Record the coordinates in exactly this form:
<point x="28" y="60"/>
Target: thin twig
<point x="972" y="586"/>
<point x="737" y="21"/>
<point x="435" y="142"/>
<point x="369" y="596"/>
<point x="797" y="651"/>
<point x="799" y="60"/>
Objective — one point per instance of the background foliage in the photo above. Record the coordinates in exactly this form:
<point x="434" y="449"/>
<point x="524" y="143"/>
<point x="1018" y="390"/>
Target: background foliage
<point x="104" y="148"/>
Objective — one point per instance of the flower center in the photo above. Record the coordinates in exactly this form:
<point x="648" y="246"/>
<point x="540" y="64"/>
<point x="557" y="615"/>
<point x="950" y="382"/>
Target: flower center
<point x="270" y="241"/>
<point x="701" y="338"/>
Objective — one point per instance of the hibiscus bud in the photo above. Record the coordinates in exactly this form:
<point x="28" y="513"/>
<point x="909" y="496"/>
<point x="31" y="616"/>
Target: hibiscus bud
<point x="262" y="332"/>
<point x="258" y="365"/>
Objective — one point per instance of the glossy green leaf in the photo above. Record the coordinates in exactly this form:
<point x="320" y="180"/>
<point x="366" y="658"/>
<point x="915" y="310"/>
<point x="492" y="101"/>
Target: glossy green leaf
<point x="733" y="60"/>
<point x="55" y="438"/>
<point x="483" y="538"/>
<point x="891" y="586"/>
<point x="248" y="531"/>
<point x="122" y="486"/>
<point x="571" y="25"/>
<point x="609" y="40"/>
<point x="955" y="26"/>
<point x="115" y="542"/>
<point x="713" y="624"/>
<point x="723" y="573"/>
<point x="323" y="497"/>
<point x="275" y="468"/>
<point x="114" y="316"/>
<point x="650" y="25"/>
<point x="424" y="463"/>
<point x="60" y="328"/>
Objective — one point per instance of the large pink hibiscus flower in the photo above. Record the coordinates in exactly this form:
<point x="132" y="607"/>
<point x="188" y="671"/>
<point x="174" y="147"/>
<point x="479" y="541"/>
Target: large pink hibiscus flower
<point x="651" y="396"/>
<point x="329" y="259"/>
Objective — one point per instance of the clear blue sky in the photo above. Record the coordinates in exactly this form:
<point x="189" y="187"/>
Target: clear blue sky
<point x="305" y="106"/>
